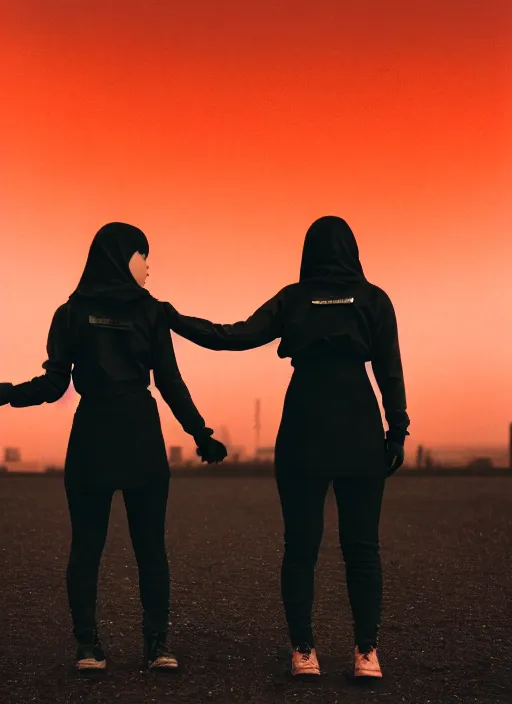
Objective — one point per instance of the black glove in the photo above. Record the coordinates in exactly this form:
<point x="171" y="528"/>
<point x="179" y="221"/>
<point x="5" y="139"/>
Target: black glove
<point x="5" y="393"/>
<point x="394" y="455"/>
<point x="211" y="451"/>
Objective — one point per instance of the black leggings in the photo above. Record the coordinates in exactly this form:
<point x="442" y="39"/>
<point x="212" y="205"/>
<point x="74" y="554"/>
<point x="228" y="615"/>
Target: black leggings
<point x="89" y="511"/>
<point x="359" y="503"/>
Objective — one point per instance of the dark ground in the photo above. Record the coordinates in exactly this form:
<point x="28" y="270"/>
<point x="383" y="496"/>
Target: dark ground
<point x="445" y="636"/>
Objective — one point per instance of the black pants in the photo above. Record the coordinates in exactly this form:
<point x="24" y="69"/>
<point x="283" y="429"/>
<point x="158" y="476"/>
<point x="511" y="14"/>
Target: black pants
<point x="359" y="501"/>
<point x="89" y="512"/>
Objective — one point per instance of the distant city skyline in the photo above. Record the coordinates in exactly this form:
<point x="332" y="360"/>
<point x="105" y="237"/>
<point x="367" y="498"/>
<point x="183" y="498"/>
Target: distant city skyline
<point x="457" y="454"/>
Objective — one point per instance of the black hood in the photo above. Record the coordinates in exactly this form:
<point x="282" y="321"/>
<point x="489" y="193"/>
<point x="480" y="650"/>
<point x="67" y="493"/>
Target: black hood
<point x="107" y="274"/>
<point x="330" y="253"/>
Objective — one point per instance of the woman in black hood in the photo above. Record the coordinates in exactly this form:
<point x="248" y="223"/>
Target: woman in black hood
<point x="107" y="337"/>
<point x="330" y="323"/>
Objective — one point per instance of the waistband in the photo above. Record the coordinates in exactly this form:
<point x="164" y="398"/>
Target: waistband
<point x="119" y="392"/>
<point x="328" y="360"/>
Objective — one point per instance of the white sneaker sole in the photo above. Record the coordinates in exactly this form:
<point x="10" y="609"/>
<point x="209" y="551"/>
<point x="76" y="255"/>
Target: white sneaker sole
<point x="367" y="673"/>
<point x="91" y="664"/>
<point x="164" y="663"/>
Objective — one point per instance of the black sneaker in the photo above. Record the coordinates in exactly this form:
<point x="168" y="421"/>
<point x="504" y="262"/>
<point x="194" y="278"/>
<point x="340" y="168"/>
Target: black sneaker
<point x="90" y="656"/>
<point x="157" y="653"/>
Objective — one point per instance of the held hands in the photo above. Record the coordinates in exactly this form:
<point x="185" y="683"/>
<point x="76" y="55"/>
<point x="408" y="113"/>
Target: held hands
<point x="394" y="456"/>
<point x="211" y="451"/>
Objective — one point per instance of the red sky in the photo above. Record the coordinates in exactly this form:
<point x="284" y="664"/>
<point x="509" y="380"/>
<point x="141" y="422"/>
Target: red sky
<point x="223" y="129"/>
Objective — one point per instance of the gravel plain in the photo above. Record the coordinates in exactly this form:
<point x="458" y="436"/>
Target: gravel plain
<point x="446" y="546"/>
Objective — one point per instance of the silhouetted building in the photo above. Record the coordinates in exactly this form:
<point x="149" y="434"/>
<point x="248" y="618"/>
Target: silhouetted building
<point x="175" y="455"/>
<point x="12" y="454"/>
<point x="419" y="457"/>
<point x="461" y="456"/>
<point x="18" y="467"/>
<point x="481" y="463"/>
<point x="12" y="461"/>
<point x="236" y="453"/>
<point x="510" y="446"/>
<point x="265" y="454"/>
<point x="429" y="462"/>
<point x="257" y="423"/>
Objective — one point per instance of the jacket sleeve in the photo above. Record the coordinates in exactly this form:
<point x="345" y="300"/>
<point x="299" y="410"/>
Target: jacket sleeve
<point x="169" y="382"/>
<point x="387" y="368"/>
<point x="263" y="326"/>
<point x="51" y="385"/>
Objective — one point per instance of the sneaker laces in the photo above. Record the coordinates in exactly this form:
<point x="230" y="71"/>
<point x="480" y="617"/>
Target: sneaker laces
<point x="366" y="654"/>
<point x="305" y="651"/>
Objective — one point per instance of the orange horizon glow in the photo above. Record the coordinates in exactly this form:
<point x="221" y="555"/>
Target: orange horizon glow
<point x="223" y="130"/>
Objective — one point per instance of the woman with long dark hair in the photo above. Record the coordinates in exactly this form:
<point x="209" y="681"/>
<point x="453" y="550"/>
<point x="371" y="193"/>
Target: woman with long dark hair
<point x="107" y="337"/>
<point x="330" y="323"/>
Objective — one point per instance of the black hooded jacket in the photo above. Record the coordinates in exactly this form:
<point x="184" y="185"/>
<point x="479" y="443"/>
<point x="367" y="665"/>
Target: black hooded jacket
<point x="332" y="310"/>
<point x="109" y="335"/>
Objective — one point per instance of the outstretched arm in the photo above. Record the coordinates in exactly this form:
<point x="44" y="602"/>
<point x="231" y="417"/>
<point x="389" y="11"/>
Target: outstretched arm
<point x="169" y="382"/>
<point x="387" y="368"/>
<point x="260" y="328"/>
<point x="51" y="385"/>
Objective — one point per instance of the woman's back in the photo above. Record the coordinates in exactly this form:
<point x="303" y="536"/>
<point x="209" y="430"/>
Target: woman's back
<point x="112" y="344"/>
<point x="333" y="314"/>
<point x="324" y="315"/>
